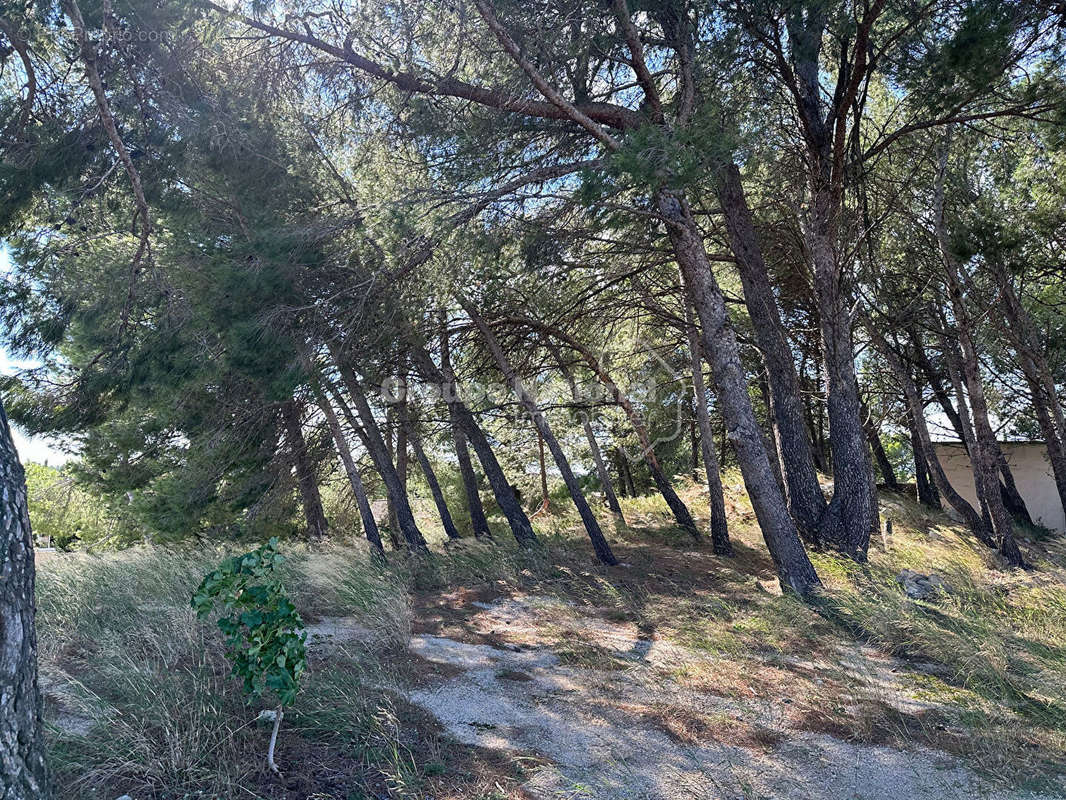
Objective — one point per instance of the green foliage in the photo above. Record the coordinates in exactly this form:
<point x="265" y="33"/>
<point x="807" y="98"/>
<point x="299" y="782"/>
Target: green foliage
<point x="265" y="637"/>
<point x="64" y="514"/>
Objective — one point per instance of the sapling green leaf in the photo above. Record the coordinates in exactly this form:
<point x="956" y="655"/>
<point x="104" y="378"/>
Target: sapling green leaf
<point x="265" y="636"/>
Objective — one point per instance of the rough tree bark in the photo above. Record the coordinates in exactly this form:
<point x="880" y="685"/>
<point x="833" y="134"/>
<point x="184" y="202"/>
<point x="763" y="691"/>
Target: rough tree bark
<point x="478" y="521"/>
<point x="592" y="527"/>
<point x="720" y="346"/>
<point x="802" y="491"/>
<point x="464" y="420"/>
<point x="716" y="495"/>
<point x="310" y="498"/>
<point x="23" y="770"/>
<point x="825" y="120"/>
<point x="851" y="518"/>
<point x="366" y="515"/>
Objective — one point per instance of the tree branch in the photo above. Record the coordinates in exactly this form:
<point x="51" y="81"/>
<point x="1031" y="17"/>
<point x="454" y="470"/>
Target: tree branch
<point x="572" y="112"/>
<point x="609" y="114"/>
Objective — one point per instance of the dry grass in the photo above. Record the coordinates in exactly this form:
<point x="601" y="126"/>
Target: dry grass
<point x="141" y="699"/>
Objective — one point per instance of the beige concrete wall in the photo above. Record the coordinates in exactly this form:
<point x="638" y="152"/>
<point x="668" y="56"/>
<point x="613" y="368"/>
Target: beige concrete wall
<point x="1032" y="472"/>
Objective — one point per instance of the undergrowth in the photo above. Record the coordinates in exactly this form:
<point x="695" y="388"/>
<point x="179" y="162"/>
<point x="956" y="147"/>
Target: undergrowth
<point x="140" y="698"/>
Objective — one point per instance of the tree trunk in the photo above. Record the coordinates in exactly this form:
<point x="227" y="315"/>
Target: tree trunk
<point x="1012" y="498"/>
<point x="1008" y="489"/>
<point x="478" y="522"/>
<point x="984" y="456"/>
<point x="396" y="440"/>
<point x="647" y="450"/>
<point x="720" y="345"/>
<point x="716" y="496"/>
<point x="626" y="473"/>
<point x="851" y="517"/>
<point x="544" y="503"/>
<point x="619" y="465"/>
<point x="379" y="453"/>
<point x="340" y="441"/>
<point x="592" y="527"/>
<point x="694" y="438"/>
<point x="390" y="445"/>
<point x="1056" y="448"/>
<point x="873" y="435"/>
<point x="770" y="442"/>
<point x="431" y="477"/>
<point x="597" y="457"/>
<point x="305" y="472"/>
<point x="970" y="515"/>
<point x="926" y="491"/>
<point x="802" y="491"/>
<point x="464" y="420"/>
<point x="23" y="770"/>
<point x="1021" y="330"/>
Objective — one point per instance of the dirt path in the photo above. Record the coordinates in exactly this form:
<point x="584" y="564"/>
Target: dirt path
<point x="626" y="732"/>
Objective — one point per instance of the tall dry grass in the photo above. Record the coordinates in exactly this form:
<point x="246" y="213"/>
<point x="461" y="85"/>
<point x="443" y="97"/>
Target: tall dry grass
<point x="138" y="692"/>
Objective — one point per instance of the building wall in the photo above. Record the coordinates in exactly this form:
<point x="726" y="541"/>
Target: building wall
<point x="1032" y="472"/>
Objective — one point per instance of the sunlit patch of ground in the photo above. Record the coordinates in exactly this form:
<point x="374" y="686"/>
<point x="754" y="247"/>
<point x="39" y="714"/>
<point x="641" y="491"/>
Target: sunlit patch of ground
<point x="485" y="671"/>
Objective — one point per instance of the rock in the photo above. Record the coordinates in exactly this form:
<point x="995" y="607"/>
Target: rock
<point x="771" y="586"/>
<point x="922" y="587"/>
<point x="124" y="797"/>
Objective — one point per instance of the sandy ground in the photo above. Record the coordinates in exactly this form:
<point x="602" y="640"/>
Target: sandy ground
<point x="611" y="733"/>
<point x="594" y="725"/>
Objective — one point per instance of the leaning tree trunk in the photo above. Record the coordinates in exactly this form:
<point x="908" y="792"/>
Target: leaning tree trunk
<point x="716" y="496"/>
<point x="802" y="491"/>
<point x="1021" y="330"/>
<point x="1008" y="489"/>
<point x="1012" y="498"/>
<point x="464" y="420"/>
<point x="720" y="346"/>
<point x="355" y="425"/>
<point x="873" y="435"/>
<point x="984" y="456"/>
<point x="1056" y="448"/>
<point x="23" y="771"/>
<point x="592" y="527"/>
<point x="430" y="476"/>
<point x="916" y="409"/>
<point x="478" y="521"/>
<point x="594" y="448"/>
<point x="379" y="453"/>
<point x="366" y="514"/>
<point x="310" y="498"/>
<point x="647" y="450"/>
<point x="926" y="491"/>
